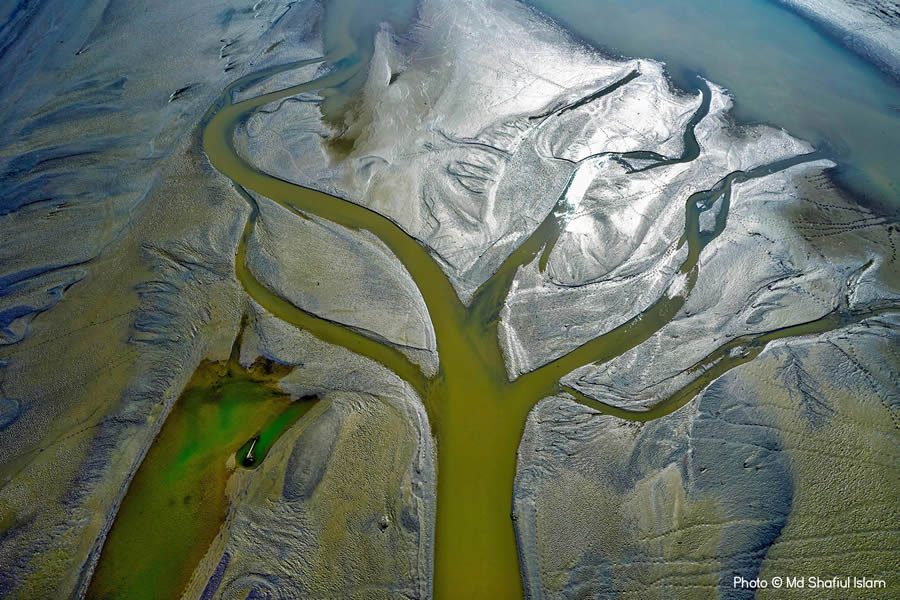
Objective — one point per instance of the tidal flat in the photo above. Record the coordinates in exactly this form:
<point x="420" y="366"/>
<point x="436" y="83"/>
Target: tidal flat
<point x="444" y="300"/>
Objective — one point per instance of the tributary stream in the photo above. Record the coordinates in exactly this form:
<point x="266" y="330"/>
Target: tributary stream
<point x="477" y="415"/>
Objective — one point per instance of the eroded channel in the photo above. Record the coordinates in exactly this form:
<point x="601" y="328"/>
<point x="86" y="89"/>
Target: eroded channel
<point x="477" y="415"/>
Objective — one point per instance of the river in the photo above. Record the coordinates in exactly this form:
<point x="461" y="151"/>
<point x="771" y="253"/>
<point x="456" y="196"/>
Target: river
<point x="477" y="415"/>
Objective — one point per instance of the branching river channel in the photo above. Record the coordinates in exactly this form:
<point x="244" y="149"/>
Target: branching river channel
<point x="477" y="414"/>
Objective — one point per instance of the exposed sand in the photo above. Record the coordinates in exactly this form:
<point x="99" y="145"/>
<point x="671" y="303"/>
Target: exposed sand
<point x="116" y="265"/>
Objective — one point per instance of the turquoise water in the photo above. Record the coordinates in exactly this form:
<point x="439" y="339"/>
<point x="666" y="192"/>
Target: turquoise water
<point x="780" y="68"/>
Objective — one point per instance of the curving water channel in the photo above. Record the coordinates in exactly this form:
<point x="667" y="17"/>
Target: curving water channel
<point x="477" y="415"/>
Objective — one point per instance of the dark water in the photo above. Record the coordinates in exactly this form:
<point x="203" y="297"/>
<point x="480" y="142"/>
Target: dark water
<point x="780" y="68"/>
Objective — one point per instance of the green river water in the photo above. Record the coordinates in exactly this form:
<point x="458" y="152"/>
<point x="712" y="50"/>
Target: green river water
<point x="176" y="502"/>
<point x="477" y="415"/>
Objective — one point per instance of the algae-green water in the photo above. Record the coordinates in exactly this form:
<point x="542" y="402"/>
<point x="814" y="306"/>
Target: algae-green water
<point x="476" y="414"/>
<point x="176" y="502"/>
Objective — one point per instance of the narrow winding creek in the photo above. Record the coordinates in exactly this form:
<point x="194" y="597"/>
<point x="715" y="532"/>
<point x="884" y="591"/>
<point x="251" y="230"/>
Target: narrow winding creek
<point x="477" y="415"/>
<point x="475" y="553"/>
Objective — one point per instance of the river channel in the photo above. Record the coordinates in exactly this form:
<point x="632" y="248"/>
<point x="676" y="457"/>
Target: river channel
<point x="477" y="415"/>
